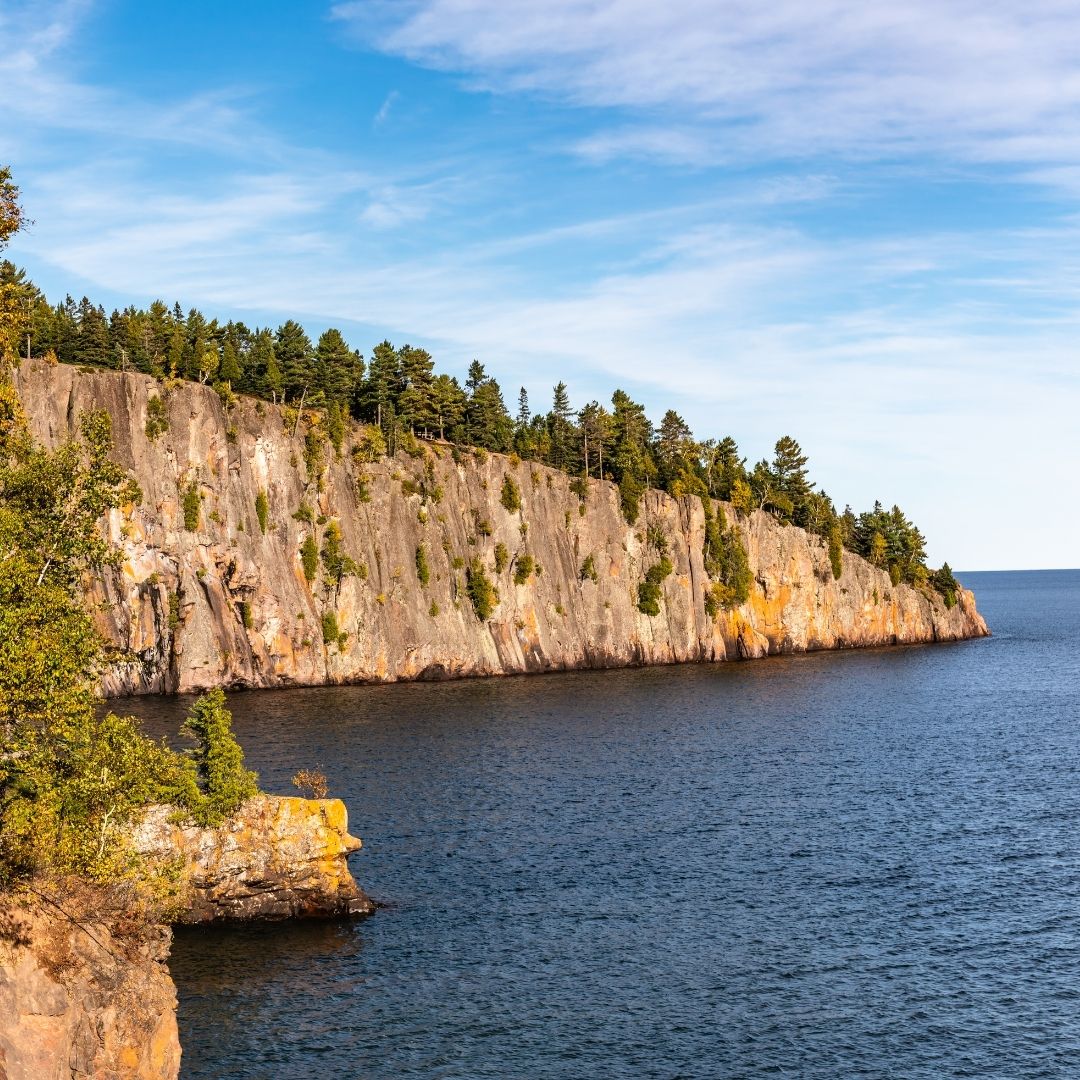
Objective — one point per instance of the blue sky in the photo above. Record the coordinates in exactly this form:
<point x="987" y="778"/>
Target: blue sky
<point x="854" y="222"/>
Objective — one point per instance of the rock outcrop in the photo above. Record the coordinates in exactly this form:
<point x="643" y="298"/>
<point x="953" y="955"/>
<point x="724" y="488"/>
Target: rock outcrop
<point x="89" y="995"/>
<point x="227" y="600"/>
<point x="275" y="858"/>
<point x="79" y="1000"/>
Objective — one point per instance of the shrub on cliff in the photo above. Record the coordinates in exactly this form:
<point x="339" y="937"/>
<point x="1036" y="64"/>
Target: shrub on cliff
<point x="262" y="510"/>
<point x="649" y="589"/>
<point x="423" y="570"/>
<point x="157" y="417"/>
<point x="524" y="565"/>
<point x="309" y="558"/>
<point x="482" y="593"/>
<point x="726" y="562"/>
<point x="511" y="494"/>
<point x="946" y="584"/>
<point x="192" y="506"/>
<point x="223" y="781"/>
<point x="836" y="550"/>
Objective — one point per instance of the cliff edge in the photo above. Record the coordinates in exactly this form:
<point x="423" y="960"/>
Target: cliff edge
<point x="277" y="857"/>
<point x="215" y="589"/>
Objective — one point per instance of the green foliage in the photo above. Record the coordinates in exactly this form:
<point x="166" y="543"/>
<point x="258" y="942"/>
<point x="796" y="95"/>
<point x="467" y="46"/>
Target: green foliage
<point x="309" y="558"/>
<point x="630" y="491"/>
<point x="888" y="539"/>
<point x="335" y="426"/>
<point x="712" y="602"/>
<point x="157" y="417"/>
<point x="656" y="538"/>
<point x="580" y="487"/>
<point x="482" y="592"/>
<point x="836" y="550"/>
<point x="262" y="510"/>
<point x="304" y="513"/>
<point x="219" y="762"/>
<point x="946" y="584"/>
<point x="423" y="570"/>
<point x="511" y="494"/>
<point x="314" y="460"/>
<point x="433" y="611"/>
<point x="330" y="629"/>
<point x="588" y="570"/>
<point x="370" y="447"/>
<point x="502" y="557"/>
<point x="71" y="777"/>
<point x="649" y="590"/>
<point x="524" y="565"/>
<point x="336" y="564"/>
<point x="742" y="497"/>
<point x="245" y="614"/>
<point x="713" y="546"/>
<point x="192" y="507"/>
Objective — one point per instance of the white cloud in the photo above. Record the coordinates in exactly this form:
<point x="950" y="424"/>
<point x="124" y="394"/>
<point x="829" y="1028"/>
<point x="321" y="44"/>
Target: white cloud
<point x="384" y="109"/>
<point x="991" y="82"/>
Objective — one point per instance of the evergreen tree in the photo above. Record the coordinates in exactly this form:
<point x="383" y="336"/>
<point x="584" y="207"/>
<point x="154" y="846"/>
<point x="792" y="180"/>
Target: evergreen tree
<point x="594" y="426"/>
<point x="488" y="421"/>
<point x="92" y="342"/>
<point x="675" y="449"/>
<point x="417" y="375"/>
<point x="448" y="404"/>
<point x="789" y="474"/>
<point x="293" y="352"/>
<point x="383" y="384"/>
<point x="561" y="428"/>
<point x="338" y="369"/>
<point x="230" y="371"/>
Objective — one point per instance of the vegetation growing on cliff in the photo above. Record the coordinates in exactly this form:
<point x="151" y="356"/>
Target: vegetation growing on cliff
<point x="399" y="394"/>
<point x="482" y="592"/>
<point x="649" y="589"/>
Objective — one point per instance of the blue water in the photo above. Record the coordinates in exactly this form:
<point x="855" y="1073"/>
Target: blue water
<point x="860" y="864"/>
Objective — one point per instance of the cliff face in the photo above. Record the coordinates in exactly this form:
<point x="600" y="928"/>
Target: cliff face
<point x="78" y="1006"/>
<point x="275" y="858"/>
<point x="227" y="604"/>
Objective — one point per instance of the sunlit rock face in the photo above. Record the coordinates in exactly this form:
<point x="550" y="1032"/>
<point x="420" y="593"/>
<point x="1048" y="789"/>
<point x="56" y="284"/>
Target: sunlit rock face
<point x="275" y="858"/>
<point x="228" y="604"/>
<point x="80" y="1000"/>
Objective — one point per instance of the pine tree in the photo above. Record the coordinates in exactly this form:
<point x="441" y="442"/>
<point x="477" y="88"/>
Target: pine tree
<point x="448" y="404"/>
<point x="337" y="368"/>
<point x="383" y="384"/>
<point x="292" y="348"/>
<point x="488" y="421"/>
<point x="561" y="427"/>
<point x="415" y="404"/>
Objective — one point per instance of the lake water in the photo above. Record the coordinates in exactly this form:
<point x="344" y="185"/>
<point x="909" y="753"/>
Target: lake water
<point x="849" y="864"/>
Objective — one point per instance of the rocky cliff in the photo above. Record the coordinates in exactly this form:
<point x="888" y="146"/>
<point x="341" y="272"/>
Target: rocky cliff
<point x="84" y="990"/>
<point x="84" y="1000"/>
<point x="210" y="595"/>
<point x="275" y="858"/>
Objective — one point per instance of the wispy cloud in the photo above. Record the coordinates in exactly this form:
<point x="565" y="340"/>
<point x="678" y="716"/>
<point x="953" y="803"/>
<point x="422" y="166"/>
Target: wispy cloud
<point x="982" y="82"/>
<point x="384" y="109"/>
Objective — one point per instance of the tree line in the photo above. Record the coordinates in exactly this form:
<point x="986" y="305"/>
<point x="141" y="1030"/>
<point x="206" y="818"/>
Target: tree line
<point x="398" y="390"/>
